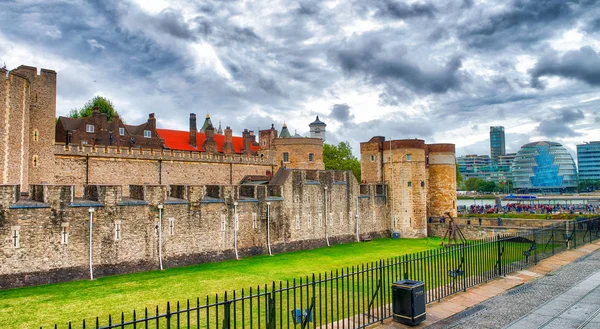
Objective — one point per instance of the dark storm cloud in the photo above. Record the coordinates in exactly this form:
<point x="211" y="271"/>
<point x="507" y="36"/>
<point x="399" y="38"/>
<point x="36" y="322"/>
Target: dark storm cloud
<point x="561" y="124"/>
<point x="172" y="23"/>
<point x="582" y="64"/>
<point x="437" y="34"/>
<point x="525" y="23"/>
<point x="341" y="112"/>
<point x="401" y="10"/>
<point x="367" y="57"/>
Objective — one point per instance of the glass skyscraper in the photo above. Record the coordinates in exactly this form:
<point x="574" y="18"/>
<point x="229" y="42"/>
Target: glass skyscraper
<point x="588" y="161"/>
<point x="497" y="143"/>
<point x="544" y="167"/>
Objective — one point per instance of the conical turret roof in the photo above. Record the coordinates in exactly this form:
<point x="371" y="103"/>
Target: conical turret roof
<point x="207" y="122"/>
<point x="317" y="122"/>
<point x="285" y="133"/>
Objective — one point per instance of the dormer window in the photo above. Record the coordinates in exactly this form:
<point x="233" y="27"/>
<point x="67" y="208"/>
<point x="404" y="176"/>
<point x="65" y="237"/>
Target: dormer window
<point x="122" y="131"/>
<point x="89" y="128"/>
<point x="147" y="134"/>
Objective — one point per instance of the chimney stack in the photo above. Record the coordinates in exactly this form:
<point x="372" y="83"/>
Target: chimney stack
<point x="210" y="145"/>
<point x="193" y="129"/>
<point x="152" y="121"/>
<point x="228" y="145"/>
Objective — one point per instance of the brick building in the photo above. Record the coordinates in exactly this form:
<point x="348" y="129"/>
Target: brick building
<point x="97" y="130"/>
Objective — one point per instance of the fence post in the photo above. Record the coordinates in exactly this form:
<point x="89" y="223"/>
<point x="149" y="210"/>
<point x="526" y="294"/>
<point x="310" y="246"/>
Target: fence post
<point x="499" y="255"/>
<point x="552" y="237"/>
<point x="381" y="300"/>
<point x="535" y="259"/>
<point x="464" y="259"/>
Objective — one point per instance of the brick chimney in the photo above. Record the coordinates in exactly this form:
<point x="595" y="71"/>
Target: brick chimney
<point x="151" y="122"/>
<point x="228" y="146"/>
<point x="210" y="145"/>
<point x="193" y="129"/>
<point x="249" y="138"/>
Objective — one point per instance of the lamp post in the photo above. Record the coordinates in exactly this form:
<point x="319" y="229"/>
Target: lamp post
<point x="357" y="235"/>
<point x="235" y="229"/>
<point x="326" y="220"/>
<point x="91" y="211"/>
<point x="269" y="227"/>
<point x="160" y="210"/>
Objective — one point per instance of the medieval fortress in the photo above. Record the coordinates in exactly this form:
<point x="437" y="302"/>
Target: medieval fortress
<point x="89" y="196"/>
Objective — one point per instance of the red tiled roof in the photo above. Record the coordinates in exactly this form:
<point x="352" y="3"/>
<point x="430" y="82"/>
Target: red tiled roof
<point x="180" y="140"/>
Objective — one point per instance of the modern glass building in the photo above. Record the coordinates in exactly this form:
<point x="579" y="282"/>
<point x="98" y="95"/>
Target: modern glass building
<point x="588" y="160"/>
<point x="544" y="167"/>
<point x="497" y="143"/>
<point x="472" y="162"/>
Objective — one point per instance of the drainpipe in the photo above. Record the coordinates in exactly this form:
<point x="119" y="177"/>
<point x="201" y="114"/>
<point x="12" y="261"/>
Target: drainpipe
<point x="91" y="211"/>
<point x="160" y="210"/>
<point x="326" y="219"/>
<point x="357" y="235"/>
<point x="269" y="227"/>
<point x="235" y="229"/>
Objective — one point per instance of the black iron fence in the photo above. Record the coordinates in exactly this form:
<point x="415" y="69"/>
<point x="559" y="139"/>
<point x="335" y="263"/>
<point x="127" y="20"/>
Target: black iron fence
<point x="359" y="296"/>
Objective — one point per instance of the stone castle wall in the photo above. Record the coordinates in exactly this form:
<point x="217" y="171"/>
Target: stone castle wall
<point x="82" y="165"/>
<point x="191" y="214"/>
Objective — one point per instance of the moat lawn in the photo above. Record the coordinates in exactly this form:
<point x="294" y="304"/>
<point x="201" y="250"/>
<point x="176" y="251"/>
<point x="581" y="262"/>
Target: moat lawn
<point x="32" y="307"/>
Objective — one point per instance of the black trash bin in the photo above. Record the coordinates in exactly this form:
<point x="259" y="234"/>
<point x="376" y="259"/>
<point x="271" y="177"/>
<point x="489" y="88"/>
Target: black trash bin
<point x="408" y="301"/>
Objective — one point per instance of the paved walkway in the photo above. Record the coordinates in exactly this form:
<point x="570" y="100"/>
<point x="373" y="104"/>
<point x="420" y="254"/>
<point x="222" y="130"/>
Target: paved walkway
<point x="547" y="295"/>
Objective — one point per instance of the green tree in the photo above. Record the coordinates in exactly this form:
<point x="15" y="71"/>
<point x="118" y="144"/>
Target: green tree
<point x="459" y="179"/>
<point x="486" y="186"/>
<point x="104" y="105"/>
<point x="340" y="158"/>
<point x="472" y="184"/>
<point x="588" y="185"/>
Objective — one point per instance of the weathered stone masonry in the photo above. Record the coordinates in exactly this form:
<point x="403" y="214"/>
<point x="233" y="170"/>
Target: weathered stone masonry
<point x="197" y="223"/>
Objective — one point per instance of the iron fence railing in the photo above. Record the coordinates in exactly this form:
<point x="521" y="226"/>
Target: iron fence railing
<point x="359" y="296"/>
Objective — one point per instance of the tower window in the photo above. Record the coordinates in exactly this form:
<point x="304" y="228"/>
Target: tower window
<point x="409" y="184"/>
<point x="89" y="128"/>
<point x="311" y="157"/>
<point x="171" y="226"/>
<point x="147" y="134"/>
<point x="408" y="157"/>
<point x="36" y="135"/>
<point x="286" y="157"/>
<point x="117" y="230"/>
<point x="64" y="235"/>
<point x="372" y="158"/>
<point x="16" y="236"/>
<point x="122" y="131"/>
<point x="35" y="160"/>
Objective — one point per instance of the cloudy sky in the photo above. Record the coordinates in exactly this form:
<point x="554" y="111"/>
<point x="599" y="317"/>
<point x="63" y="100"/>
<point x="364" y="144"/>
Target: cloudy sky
<point x="440" y="70"/>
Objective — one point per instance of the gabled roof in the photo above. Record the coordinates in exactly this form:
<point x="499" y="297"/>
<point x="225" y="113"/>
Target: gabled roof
<point x="180" y="140"/>
<point x="70" y="123"/>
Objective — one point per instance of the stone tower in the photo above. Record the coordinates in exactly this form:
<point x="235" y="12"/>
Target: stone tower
<point x="27" y="135"/>
<point x="317" y="129"/>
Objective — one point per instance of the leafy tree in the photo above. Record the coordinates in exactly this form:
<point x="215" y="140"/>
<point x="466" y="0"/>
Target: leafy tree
<point x="588" y="185"/>
<point x="459" y="179"/>
<point x="486" y="186"/>
<point x="472" y="184"/>
<point x="340" y="158"/>
<point x="104" y="105"/>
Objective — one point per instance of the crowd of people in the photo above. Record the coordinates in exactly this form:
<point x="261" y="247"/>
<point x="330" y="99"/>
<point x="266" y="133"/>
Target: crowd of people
<point x="535" y="208"/>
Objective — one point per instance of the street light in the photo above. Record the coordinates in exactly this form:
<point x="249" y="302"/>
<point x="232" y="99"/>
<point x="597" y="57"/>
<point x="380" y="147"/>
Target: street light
<point x="235" y="229"/>
<point x="160" y="210"/>
<point x="91" y="211"/>
<point x="326" y="221"/>
<point x="269" y="227"/>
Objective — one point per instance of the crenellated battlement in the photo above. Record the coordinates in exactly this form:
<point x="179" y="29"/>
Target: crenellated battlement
<point x="61" y="149"/>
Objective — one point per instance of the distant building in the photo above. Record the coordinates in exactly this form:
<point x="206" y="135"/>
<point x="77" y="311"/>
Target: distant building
<point x="317" y="129"/>
<point x="472" y="163"/>
<point x="588" y="160"/>
<point x="497" y="143"/>
<point x="544" y="167"/>
<point x="507" y="159"/>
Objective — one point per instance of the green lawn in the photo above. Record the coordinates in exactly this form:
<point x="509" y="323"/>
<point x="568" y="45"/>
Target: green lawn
<point x="46" y="305"/>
